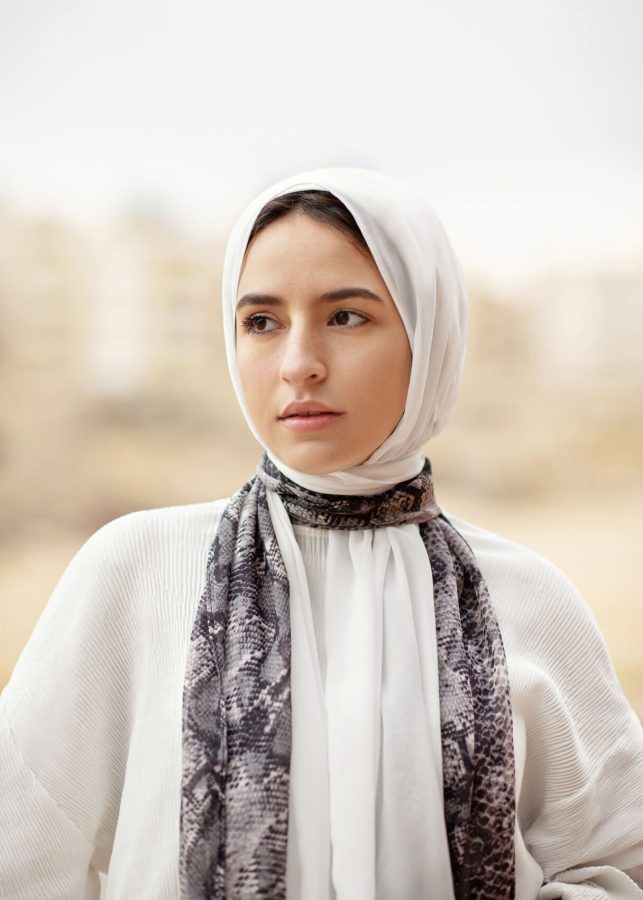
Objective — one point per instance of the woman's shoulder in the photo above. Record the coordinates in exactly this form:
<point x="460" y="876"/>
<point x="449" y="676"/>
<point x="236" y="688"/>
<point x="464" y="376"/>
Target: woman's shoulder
<point x="190" y="516"/>
<point x="151" y="530"/>
<point x="145" y="560"/>
<point x="515" y="561"/>
<point x="534" y="598"/>
<point x="555" y="648"/>
<point x="139" y="551"/>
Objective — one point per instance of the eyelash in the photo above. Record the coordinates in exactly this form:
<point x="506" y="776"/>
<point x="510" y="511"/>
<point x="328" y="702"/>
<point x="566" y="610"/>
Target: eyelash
<point x="248" y="323"/>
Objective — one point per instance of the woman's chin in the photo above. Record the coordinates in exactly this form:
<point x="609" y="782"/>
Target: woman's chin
<point x="315" y="461"/>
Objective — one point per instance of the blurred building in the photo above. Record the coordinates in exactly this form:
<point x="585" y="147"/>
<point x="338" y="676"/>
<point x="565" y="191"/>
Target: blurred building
<point x="96" y="329"/>
<point x="588" y="325"/>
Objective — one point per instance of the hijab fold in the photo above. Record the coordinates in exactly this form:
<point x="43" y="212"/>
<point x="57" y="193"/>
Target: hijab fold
<point x="252" y="698"/>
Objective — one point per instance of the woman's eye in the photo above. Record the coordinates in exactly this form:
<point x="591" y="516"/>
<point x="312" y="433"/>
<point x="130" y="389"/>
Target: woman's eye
<point x="348" y="318"/>
<point x="258" y="324"/>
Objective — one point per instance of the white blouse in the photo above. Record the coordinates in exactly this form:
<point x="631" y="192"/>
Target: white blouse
<point x="90" y="731"/>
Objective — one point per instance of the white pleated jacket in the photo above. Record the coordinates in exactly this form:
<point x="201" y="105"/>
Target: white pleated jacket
<point x="90" y="730"/>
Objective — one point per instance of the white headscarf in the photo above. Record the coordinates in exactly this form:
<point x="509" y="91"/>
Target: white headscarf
<point x="374" y="723"/>
<point x="424" y="278"/>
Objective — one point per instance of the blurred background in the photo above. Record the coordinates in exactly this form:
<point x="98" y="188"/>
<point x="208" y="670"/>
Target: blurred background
<point x="133" y="134"/>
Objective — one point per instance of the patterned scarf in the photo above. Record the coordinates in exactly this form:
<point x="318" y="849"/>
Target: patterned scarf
<point x="236" y="698"/>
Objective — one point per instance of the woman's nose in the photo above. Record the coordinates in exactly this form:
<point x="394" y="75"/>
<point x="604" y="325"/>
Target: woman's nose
<point x="303" y="358"/>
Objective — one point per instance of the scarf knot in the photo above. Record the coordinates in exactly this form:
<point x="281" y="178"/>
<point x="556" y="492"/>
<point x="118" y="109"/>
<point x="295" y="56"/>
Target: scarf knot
<point x="411" y="501"/>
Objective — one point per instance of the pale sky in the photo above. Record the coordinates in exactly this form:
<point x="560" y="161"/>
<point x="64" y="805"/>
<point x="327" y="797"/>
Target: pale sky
<point x="520" y="121"/>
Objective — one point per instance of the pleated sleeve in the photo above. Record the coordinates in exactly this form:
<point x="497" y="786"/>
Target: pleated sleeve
<point x="579" y="744"/>
<point x="64" y="722"/>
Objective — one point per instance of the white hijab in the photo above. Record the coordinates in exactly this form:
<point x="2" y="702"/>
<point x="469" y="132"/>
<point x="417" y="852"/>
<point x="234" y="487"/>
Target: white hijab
<point x="358" y="736"/>
<point x="424" y="278"/>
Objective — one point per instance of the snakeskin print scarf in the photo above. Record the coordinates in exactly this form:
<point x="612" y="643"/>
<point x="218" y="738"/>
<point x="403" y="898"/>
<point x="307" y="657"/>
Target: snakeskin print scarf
<point x="236" y="699"/>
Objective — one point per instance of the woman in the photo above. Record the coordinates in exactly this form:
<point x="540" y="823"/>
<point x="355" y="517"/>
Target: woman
<point x="363" y="698"/>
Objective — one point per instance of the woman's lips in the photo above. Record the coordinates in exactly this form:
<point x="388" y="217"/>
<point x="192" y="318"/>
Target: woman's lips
<point x="311" y="421"/>
<point x="308" y="415"/>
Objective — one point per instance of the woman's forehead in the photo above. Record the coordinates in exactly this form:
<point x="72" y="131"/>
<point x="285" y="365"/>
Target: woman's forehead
<point x="289" y="248"/>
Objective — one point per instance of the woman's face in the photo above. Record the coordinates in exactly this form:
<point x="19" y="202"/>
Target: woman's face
<point x="322" y="353"/>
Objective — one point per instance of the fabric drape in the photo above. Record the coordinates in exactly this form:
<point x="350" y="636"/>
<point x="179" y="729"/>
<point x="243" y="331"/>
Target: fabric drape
<point x="237" y="725"/>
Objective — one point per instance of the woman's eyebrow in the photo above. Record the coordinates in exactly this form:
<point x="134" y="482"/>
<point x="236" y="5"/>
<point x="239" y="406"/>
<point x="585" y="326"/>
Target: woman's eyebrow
<point x="254" y="299"/>
<point x="345" y="293"/>
<point x="258" y="300"/>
